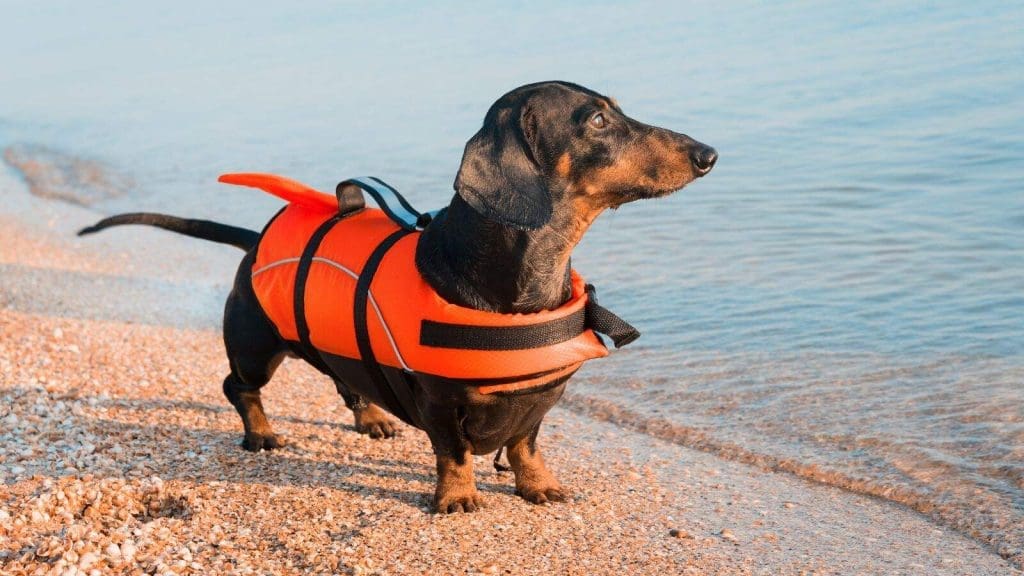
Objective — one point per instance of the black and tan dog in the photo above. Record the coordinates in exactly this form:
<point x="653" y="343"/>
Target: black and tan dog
<point x="548" y="160"/>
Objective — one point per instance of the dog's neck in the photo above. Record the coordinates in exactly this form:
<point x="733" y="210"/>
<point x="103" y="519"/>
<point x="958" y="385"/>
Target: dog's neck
<point x="482" y="264"/>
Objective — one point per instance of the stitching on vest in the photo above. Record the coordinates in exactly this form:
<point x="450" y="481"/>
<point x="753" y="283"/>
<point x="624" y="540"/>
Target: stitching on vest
<point x="373" y="302"/>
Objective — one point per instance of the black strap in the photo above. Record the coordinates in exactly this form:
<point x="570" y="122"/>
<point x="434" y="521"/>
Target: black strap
<point x="301" y="275"/>
<point x="469" y="337"/>
<point x="603" y="320"/>
<point x="391" y="397"/>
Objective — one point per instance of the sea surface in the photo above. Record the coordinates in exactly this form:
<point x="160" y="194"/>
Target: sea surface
<point x="841" y="298"/>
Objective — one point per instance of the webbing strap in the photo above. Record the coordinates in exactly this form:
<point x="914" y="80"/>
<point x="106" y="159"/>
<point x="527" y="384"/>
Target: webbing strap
<point x="301" y="275"/>
<point x="603" y="320"/>
<point x="468" y="337"/>
<point x="373" y="368"/>
<point x="390" y="201"/>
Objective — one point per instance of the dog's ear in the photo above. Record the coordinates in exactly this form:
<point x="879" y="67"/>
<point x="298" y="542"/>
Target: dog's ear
<point x="499" y="176"/>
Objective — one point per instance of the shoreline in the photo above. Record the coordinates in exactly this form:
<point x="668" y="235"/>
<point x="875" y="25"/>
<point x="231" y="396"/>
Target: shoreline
<point x="118" y="438"/>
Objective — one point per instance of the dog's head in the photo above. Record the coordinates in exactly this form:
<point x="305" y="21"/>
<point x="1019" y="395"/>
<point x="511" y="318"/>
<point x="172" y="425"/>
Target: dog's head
<point x="555" y="145"/>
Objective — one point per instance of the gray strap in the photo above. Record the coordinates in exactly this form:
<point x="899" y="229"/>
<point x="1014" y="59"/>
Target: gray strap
<point x="392" y="203"/>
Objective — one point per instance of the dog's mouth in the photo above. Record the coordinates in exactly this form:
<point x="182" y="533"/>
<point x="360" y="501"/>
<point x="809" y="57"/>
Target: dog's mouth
<point x="661" y="193"/>
<point x="634" y="194"/>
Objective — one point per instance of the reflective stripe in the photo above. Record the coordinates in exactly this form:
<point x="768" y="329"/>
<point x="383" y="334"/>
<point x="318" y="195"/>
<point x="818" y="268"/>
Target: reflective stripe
<point x="389" y="200"/>
<point x="376" y="309"/>
<point x="275" y="265"/>
<point x="373" y="301"/>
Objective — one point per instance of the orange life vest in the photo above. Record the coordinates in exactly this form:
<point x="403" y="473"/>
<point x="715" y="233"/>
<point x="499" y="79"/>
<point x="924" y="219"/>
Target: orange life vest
<point x="407" y="325"/>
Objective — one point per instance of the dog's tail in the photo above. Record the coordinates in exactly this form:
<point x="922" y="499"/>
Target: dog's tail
<point x="202" y="229"/>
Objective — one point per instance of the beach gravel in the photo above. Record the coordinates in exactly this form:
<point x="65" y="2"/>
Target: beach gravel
<point x="119" y="455"/>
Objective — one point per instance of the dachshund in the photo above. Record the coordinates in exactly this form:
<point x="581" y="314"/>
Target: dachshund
<point x="548" y="160"/>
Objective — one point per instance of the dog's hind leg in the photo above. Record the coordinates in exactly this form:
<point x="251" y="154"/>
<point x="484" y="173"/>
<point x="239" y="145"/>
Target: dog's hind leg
<point x="244" y="394"/>
<point x="254" y="353"/>
<point x="370" y="419"/>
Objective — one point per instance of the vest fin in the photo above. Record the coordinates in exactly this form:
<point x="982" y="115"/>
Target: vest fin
<point x="284" y="188"/>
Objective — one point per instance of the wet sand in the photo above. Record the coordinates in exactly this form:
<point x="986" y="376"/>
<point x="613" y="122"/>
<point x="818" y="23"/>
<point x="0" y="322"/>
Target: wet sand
<point x="118" y="454"/>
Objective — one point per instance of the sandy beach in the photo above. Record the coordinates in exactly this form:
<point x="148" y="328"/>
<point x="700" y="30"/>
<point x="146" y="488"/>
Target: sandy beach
<point x="119" y="455"/>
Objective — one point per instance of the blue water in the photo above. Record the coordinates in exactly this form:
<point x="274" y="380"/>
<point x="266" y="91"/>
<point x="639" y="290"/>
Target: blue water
<point x="845" y="289"/>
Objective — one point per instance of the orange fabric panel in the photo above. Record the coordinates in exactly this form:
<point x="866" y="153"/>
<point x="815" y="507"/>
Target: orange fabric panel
<point x="276" y="261"/>
<point x="330" y="292"/>
<point x="399" y="281"/>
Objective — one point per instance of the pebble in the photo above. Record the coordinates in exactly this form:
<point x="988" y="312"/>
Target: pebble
<point x="679" y="533"/>
<point x="128" y="550"/>
<point x="87" y="560"/>
<point x="727" y="534"/>
<point x="789" y="505"/>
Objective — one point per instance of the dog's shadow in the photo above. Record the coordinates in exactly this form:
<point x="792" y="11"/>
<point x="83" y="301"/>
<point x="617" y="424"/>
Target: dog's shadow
<point x="169" y="404"/>
<point x="202" y="455"/>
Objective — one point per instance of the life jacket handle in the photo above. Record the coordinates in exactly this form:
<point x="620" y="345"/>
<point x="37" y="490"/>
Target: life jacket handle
<point x="390" y="201"/>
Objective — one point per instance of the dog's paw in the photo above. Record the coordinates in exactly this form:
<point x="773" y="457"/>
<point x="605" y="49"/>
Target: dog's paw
<point x="543" y="494"/>
<point x="379" y="430"/>
<point x="451" y="503"/>
<point x="375" y="423"/>
<point x="254" y="442"/>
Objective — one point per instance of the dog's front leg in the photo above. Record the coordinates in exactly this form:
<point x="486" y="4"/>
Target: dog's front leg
<point x="534" y="482"/>
<point x="456" y="487"/>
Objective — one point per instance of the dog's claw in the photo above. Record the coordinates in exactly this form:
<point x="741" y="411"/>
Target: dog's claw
<point x="254" y="442"/>
<point x="379" y="430"/>
<point x="544" y="495"/>
<point x="375" y="423"/>
<point x="452" y="505"/>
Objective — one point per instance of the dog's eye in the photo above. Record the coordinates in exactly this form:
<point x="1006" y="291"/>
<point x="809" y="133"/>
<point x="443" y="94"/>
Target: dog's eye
<point x="598" y="121"/>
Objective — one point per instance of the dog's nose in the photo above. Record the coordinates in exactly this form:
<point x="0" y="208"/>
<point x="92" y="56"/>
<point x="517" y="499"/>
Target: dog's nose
<point x="703" y="158"/>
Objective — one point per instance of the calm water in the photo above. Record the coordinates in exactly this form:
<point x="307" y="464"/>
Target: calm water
<point x="843" y="297"/>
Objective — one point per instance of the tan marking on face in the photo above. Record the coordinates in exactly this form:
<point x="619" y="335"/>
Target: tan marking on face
<point x="564" y="165"/>
<point x="615" y="103"/>
<point x="631" y="169"/>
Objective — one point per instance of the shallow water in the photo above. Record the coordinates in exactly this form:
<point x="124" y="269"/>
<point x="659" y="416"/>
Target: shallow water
<point x="843" y="297"/>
